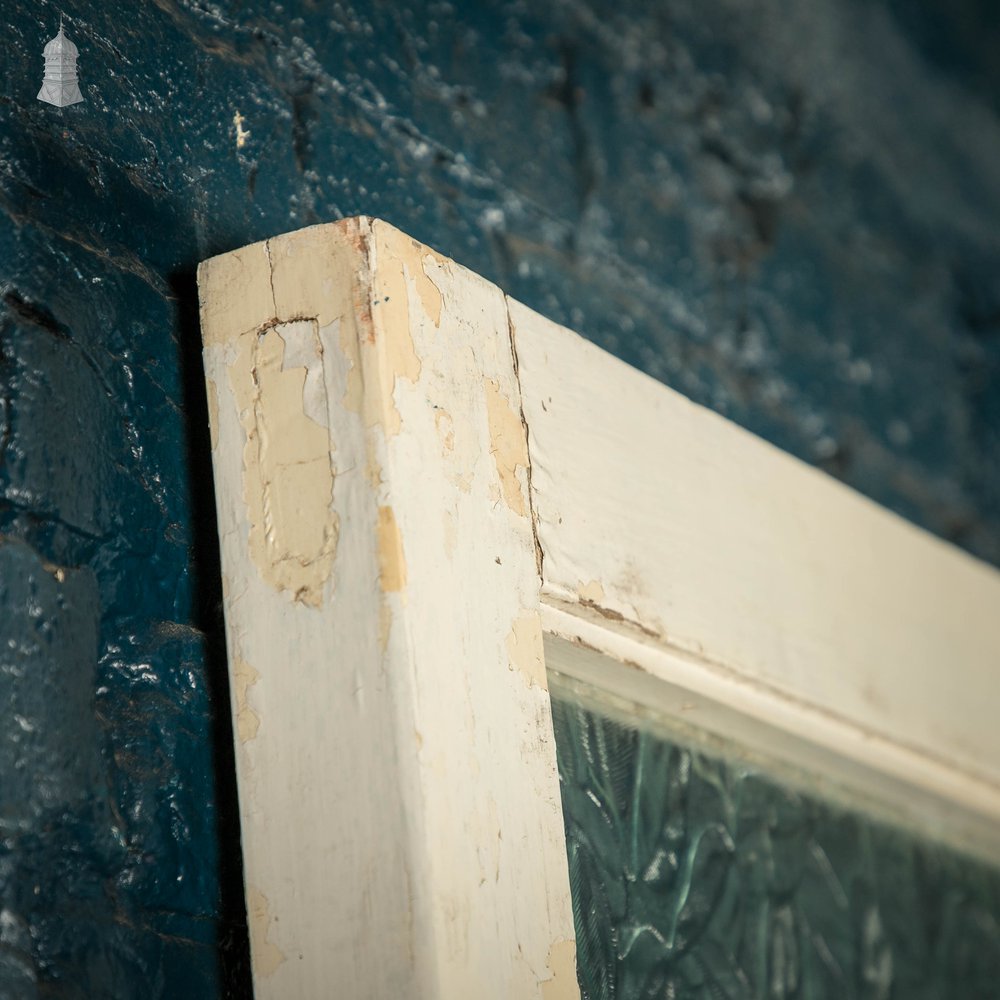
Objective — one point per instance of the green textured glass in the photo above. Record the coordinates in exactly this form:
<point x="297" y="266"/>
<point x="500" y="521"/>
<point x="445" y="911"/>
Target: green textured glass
<point x="696" y="876"/>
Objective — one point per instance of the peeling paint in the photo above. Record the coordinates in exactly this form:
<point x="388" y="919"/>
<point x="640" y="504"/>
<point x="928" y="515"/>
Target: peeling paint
<point x="304" y="349"/>
<point x="59" y="572"/>
<point x="399" y="359"/>
<point x="403" y="267"/>
<point x="354" y="390"/>
<point x="212" y="395"/>
<point x="266" y="955"/>
<point x="373" y="472"/>
<point x="561" y="962"/>
<point x="319" y="272"/>
<point x="509" y="447"/>
<point x="446" y="431"/>
<point x="381" y="350"/>
<point x="524" y="649"/>
<point x="247" y="720"/>
<point x="241" y="298"/>
<point x="457" y="462"/>
<point x="241" y="133"/>
<point x="430" y="295"/>
<point x="592" y="592"/>
<point x="435" y="164"/>
<point x="288" y="472"/>
<point x="392" y="564"/>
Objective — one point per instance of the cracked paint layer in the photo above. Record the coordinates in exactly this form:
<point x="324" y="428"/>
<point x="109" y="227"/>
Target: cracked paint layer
<point x="243" y="278"/>
<point x="267" y="956"/>
<point x="318" y="270"/>
<point x="509" y="446"/>
<point x="278" y="383"/>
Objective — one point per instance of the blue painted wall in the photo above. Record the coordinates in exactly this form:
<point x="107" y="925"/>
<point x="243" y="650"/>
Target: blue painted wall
<point x="789" y="212"/>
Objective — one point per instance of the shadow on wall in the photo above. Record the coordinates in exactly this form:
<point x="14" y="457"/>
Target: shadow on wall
<point x="233" y="943"/>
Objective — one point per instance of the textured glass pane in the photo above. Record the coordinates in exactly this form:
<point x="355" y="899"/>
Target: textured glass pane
<point x="696" y="876"/>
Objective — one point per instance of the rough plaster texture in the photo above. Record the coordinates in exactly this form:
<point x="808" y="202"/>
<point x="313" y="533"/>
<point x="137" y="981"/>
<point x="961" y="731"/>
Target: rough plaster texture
<point x="789" y="213"/>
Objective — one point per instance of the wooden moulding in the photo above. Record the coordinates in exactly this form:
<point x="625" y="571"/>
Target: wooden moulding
<point x="392" y="555"/>
<point x="755" y="596"/>
<point x="402" y="830"/>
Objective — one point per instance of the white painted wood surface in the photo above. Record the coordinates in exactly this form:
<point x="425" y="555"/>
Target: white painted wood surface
<point x="399" y="452"/>
<point x="783" y="596"/>
<point x="402" y="830"/>
<point x="815" y="752"/>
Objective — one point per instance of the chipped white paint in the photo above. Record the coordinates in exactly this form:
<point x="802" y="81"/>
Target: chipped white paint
<point x="391" y="485"/>
<point x="288" y="457"/>
<point x="758" y="591"/>
<point x="805" y="748"/>
<point x="402" y="828"/>
<point x="241" y="133"/>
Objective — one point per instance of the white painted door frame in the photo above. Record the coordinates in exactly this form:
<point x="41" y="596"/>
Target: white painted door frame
<point x="392" y="557"/>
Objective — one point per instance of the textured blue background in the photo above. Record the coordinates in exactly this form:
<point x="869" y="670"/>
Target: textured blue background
<point x="789" y="212"/>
